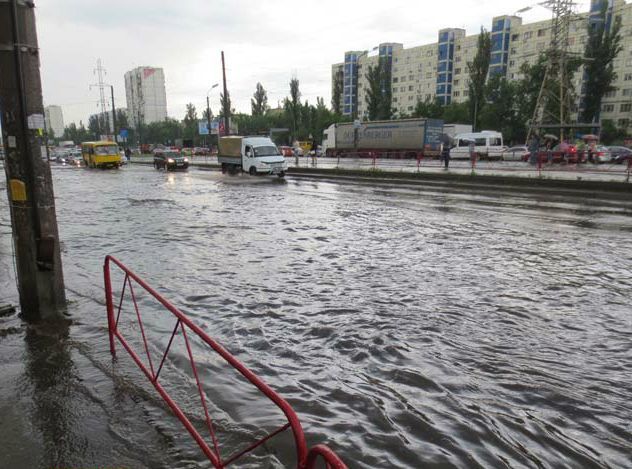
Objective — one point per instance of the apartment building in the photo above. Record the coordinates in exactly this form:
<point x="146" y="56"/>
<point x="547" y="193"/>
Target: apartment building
<point x="439" y="70"/>
<point x="146" y="95"/>
<point x="54" y="120"/>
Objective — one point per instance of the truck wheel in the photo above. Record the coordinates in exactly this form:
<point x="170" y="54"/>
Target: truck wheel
<point x="224" y="168"/>
<point x="252" y="171"/>
<point x="281" y="174"/>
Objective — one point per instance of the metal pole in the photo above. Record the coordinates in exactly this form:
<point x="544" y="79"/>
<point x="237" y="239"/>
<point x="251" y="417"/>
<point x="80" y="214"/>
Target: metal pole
<point x="226" y="106"/>
<point x="208" y="122"/>
<point x="113" y="114"/>
<point x="31" y="198"/>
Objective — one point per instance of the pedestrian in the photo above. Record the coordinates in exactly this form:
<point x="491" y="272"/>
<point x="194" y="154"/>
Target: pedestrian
<point x="472" y="149"/>
<point x="534" y="148"/>
<point x="549" y="151"/>
<point x="591" y="151"/>
<point x="445" y="155"/>
<point x="128" y="154"/>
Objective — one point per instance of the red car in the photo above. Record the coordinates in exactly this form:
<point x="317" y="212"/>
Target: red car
<point x="286" y="151"/>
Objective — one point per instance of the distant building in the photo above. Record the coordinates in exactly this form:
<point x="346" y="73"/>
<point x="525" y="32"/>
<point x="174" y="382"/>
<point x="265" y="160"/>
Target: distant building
<point x="54" y="120"/>
<point x="146" y="95"/>
<point x="439" y="70"/>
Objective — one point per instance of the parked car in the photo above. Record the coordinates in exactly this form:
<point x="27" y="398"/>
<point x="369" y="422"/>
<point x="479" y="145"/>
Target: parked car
<point x="170" y="160"/>
<point x="515" y="153"/>
<point x="201" y="151"/>
<point x="602" y="154"/>
<point x="286" y="151"/>
<point x="620" y="154"/>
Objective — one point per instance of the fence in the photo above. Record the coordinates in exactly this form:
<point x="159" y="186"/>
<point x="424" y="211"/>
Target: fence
<point x="305" y="459"/>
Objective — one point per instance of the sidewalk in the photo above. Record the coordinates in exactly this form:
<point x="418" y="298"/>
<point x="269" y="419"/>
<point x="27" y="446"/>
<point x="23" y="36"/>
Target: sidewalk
<point x="584" y="172"/>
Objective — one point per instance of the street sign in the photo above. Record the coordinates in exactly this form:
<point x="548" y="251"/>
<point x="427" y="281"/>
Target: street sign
<point x="357" y="124"/>
<point x="203" y="127"/>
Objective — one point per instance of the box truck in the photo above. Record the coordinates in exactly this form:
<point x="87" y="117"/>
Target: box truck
<point x="253" y="155"/>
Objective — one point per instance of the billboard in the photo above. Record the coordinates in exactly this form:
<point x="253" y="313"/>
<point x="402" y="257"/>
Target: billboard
<point x="203" y="127"/>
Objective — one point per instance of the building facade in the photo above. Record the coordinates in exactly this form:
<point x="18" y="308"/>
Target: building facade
<point x="439" y="70"/>
<point x="146" y="95"/>
<point x="54" y="120"/>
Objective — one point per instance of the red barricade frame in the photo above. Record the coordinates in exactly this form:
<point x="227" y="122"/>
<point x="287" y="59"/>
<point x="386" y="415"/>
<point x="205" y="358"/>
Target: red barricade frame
<point x="305" y="459"/>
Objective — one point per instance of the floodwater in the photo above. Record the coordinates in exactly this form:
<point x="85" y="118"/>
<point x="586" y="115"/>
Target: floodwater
<point x="407" y="326"/>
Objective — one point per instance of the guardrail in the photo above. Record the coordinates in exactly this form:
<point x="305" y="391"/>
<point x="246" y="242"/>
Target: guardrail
<point x="305" y="459"/>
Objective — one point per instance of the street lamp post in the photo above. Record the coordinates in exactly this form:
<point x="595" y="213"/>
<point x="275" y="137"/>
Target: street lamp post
<point x="208" y="116"/>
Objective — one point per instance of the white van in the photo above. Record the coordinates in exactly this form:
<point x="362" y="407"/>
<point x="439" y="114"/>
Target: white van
<point x="487" y="144"/>
<point x="253" y="155"/>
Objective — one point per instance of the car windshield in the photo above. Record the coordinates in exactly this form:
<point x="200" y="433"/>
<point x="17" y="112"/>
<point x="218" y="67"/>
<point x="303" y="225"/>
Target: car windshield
<point x="106" y="150"/>
<point x="172" y="154"/>
<point x="267" y="150"/>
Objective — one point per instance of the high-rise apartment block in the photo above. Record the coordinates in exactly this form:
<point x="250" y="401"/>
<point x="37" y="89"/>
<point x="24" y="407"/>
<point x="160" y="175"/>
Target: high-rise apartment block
<point x="146" y="95"/>
<point x="54" y="119"/>
<point x="439" y="70"/>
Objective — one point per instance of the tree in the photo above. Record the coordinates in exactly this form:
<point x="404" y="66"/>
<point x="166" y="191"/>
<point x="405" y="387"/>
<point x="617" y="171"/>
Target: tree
<point x="379" y="92"/>
<point x="478" y="69"/>
<point x="602" y="48"/>
<point x="259" y="101"/>
<point x="94" y="126"/>
<point x="429" y="108"/>
<point x="501" y="110"/>
<point x="292" y="106"/>
<point x="456" y="113"/>
<point x="336" y="95"/>
<point x="190" y="123"/>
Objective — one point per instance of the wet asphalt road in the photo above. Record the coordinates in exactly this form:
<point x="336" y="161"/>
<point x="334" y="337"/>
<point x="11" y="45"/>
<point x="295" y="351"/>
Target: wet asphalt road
<point x="408" y="326"/>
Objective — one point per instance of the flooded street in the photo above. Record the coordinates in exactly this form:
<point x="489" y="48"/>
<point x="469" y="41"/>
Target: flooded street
<point x="408" y="326"/>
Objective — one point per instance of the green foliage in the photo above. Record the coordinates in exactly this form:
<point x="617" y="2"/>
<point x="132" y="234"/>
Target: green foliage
<point x="379" y="92"/>
<point x="190" y="124"/>
<point x="292" y="106"/>
<point x="478" y="69"/>
<point x="165" y="132"/>
<point x="76" y="134"/>
<point x="456" y="113"/>
<point x="259" y="101"/>
<point x="336" y="95"/>
<point x="611" y="134"/>
<point x="602" y="48"/>
<point x="430" y="108"/>
<point x="501" y="111"/>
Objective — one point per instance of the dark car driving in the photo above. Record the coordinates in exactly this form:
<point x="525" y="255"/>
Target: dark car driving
<point x="170" y="160"/>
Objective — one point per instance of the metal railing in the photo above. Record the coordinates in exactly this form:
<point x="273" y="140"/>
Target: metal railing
<point x="305" y="459"/>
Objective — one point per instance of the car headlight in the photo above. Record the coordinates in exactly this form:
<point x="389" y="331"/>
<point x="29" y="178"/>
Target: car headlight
<point x="170" y="160"/>
<point x="186" y="160"/>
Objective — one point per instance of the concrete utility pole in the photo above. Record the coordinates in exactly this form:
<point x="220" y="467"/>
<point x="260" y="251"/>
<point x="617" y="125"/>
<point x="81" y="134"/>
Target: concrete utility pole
<point x="113" y="115"/>
<point x="29" y="181"/>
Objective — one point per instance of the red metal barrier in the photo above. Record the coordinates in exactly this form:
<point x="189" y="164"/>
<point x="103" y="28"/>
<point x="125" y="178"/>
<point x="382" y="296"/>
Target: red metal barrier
<point x="305" y="459"/>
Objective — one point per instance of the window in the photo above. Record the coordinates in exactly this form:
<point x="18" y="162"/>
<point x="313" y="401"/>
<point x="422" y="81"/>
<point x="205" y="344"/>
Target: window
<point x="624" y="123"/>
<point x="513" y="50"/>
<point x="541" y="32"/>
<point x="514" y="37"/>
<point x="610" y="94"/>
<point x="466" y="93"/>
<point x="456" y="94"/>
<point x="607" y="107"/>
<point x="528" y="34"/>
<point x="627" y="77"/>
<point x="410" y="108"/>
<point x="429" y="53"/>
<point x="512" y="63"/>
<point x="429" y="75"/>
<point x="411" y="77"/>
<point x="410" y="98"/>
<point x="402" y="88"/>
<point x="410" y="88"/>
<point x="394" y="99"/>
<point x="627" y="107"/>
<point x="457" y="71"/>
<point x="395" y="80"/>
<point x="456" y="82"/>
<point x="428" y="97"/>
<point x="627" y="92"/>
<point x="403" y="79"/>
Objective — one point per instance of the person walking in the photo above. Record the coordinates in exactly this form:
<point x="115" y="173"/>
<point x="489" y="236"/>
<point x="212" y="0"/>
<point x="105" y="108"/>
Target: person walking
<point x="445" y="155"/>
<point x="534" y="148"/>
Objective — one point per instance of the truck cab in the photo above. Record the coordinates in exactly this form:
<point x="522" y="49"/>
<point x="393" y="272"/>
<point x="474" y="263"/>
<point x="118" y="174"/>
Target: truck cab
<point x="253" y="155"/>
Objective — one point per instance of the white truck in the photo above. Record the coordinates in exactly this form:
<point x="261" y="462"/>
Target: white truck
<point x="253" y="155"/>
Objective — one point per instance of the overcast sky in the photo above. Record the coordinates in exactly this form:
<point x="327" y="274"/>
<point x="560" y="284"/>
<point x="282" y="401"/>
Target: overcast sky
<point x="269" y="41"/>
